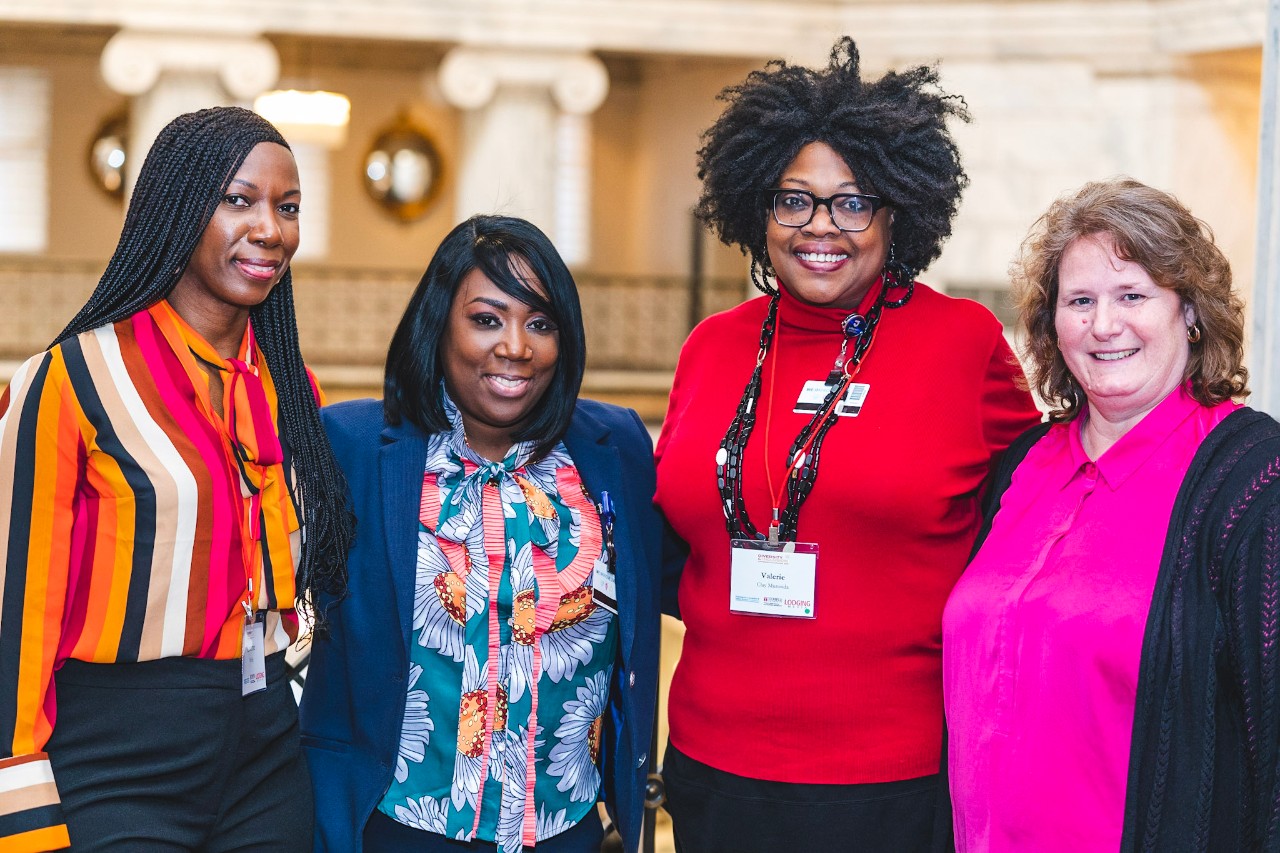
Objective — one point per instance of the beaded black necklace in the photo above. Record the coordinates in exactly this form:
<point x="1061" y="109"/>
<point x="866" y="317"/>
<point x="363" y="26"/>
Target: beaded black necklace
<point x="805" y="450"/>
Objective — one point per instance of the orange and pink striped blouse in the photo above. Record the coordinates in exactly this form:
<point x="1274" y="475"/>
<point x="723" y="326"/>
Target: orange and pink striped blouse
<point x="125" y="528"/>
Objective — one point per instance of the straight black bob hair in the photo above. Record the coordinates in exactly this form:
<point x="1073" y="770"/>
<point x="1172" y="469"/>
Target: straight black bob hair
<point x="490" y="244"/>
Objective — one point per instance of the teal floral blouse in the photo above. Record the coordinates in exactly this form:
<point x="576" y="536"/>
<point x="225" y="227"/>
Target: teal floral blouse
<point x="510" y="669"/>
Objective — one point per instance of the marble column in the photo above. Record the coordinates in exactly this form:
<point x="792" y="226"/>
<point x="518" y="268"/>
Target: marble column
<point x="527" y="136"/>
<point x="168" y="74"/>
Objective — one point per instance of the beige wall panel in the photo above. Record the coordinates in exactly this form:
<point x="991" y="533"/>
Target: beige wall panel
<point x="1215" y="168"/>
<point x="362" y="234"/>
<point x="617" y="194"/>
<point x="647" y="137"/>
<point x="84" y="222"/>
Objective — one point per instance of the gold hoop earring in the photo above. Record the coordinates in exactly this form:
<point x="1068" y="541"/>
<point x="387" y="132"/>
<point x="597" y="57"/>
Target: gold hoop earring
<point x="1193" y="333"/>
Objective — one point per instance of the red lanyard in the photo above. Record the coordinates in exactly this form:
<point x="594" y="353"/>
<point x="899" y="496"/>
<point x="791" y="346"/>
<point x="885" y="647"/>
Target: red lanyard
<point x="251" y="530"/>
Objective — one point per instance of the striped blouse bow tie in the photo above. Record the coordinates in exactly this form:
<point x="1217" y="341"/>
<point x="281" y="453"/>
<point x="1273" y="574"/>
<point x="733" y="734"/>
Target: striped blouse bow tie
<point x="246" y="412"/>
<point x="249" y="424"/>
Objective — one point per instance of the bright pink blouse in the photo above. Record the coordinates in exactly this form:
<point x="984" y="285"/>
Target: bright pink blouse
<point x="1043" y="633"/>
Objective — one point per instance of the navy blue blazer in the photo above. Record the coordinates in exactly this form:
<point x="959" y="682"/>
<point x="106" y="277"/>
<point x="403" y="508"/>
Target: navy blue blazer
<point x="353" y="705"/>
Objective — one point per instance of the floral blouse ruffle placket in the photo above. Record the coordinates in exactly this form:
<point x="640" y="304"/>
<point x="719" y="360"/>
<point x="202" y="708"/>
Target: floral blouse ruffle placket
<point x="505" y="561"/>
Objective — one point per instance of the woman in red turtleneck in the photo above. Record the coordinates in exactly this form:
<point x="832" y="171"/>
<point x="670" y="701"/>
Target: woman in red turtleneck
<point x="823" y="455"/>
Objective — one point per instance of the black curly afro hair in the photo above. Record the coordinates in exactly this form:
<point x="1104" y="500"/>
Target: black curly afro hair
<point x="892" y="133"/>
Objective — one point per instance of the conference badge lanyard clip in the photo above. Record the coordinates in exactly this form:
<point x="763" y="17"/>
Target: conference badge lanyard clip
<point x="253" y="662"/>
<point x="604" y="578"/>
<point x="815" y="391"/>
<point x="769" y="577"/>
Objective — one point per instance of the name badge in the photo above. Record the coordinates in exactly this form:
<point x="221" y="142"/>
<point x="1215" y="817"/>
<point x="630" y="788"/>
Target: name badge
<point x="604" y="587"/>
<point x="253" y="663"/>
<point x="816" y="390"/>
<point x="773" y="579"/>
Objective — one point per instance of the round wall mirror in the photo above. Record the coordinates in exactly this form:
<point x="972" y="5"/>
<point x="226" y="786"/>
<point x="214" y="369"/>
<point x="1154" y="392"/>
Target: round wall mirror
<point x="107" y="153"/>
<point x="402" y="171"/>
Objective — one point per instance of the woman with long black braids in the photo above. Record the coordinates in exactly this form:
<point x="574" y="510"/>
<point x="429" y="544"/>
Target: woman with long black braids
<point x="166" y="495"/>
<point x="822" y="456"/>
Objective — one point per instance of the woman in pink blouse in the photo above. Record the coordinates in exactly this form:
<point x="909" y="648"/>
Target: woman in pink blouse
<point x="1110" y="655"/>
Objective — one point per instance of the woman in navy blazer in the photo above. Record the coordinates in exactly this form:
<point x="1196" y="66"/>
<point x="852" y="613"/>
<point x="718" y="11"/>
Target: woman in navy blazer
<point x="480" y="404"/>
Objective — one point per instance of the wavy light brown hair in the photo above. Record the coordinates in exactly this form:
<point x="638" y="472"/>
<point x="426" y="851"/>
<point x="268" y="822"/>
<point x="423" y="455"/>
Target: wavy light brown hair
<point x="1154" y="230"/>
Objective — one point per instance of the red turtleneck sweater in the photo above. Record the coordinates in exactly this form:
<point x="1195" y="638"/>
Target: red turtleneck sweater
<point x="854" y="695"/>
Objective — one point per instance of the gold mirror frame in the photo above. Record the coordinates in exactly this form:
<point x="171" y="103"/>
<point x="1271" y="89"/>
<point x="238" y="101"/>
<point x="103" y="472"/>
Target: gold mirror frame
<point x="108" y="153"/>
<point x="403" y="173"/>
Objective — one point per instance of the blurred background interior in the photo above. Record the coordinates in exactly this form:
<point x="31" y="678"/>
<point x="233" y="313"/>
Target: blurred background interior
<point x="584" y="115"/>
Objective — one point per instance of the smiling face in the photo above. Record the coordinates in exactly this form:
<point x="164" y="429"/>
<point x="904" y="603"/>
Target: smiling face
<point x="818" y="263"/>
<point x="499" y="357"/>
<point x="246" y="247"/>
<point x="1123" y="337"/>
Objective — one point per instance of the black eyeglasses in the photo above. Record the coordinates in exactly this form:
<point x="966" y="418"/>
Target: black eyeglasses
<point x="849" y="211"/>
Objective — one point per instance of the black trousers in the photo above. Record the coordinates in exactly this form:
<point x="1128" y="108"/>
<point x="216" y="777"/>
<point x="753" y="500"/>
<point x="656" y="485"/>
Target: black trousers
<point x="717" y="812"/>
<point x="384" y="835"/>
<point x="167" y="756"/>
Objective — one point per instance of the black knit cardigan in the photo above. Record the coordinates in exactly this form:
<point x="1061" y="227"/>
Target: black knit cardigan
<point x="1206" y="729"/>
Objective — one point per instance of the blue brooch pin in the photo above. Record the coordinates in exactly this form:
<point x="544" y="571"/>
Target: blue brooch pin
<point x="854" y="325"/>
